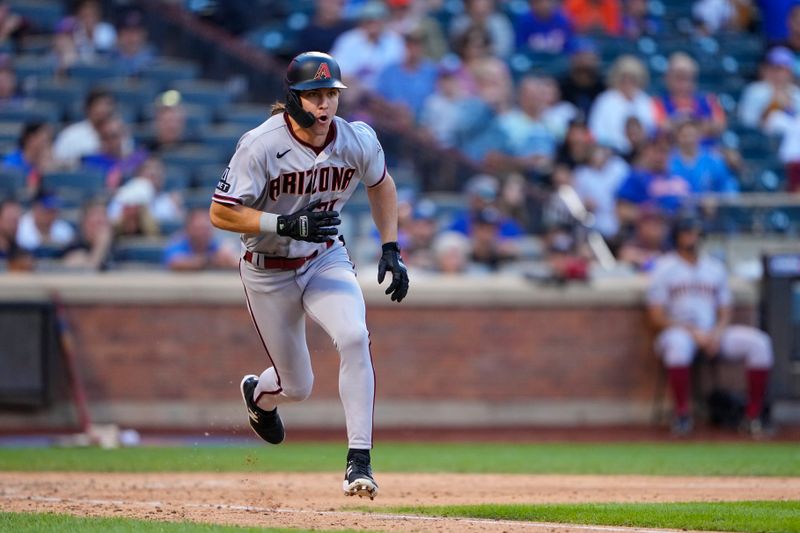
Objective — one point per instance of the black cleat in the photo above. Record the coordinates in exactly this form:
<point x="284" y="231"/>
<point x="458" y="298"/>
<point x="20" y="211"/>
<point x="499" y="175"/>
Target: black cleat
<point x="358" y="478"/>
<point x="266" y="424"/>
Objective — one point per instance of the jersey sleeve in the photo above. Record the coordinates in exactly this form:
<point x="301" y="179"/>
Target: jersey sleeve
<point x="373" y="162"/>
<point x="724" y="294"/>
<point x="657" y="293"/>
<point x="245" y="176"/>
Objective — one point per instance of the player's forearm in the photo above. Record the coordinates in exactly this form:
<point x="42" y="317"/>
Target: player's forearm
<point x="383" y="205"/>
<point x="724" y="316"/>
<point x="241" y="219"/>
<point x="658" y="317"/>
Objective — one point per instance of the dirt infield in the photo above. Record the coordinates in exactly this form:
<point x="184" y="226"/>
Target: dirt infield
<point x="314" y="500"/>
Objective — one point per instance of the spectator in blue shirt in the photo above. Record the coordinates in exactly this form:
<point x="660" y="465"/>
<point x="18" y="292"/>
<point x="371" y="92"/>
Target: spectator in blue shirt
<point x="408" y="83"/>
<point x="33" y="156"/>
<point x="482" y="192"/>
<point x="112" y="160"/>
<point x="703" y="169"/>
<point x="196" y="248"/>
<point x="652" y="184"/>
<point x="545" y="29"/>
<point x="773" y="18"/>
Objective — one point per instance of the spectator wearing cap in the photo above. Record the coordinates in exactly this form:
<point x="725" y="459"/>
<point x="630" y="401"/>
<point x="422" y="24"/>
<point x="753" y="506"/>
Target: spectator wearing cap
<point x="196" y="248"/>
<point x="544" y="29"/>
<point x="420" y="234"/>
<point x="651" y="184"/>
<point x="91" y="248"/>
<point x="169" y="124"/>
<point x="775" y="91"/>
<point x="484" y="14"/>
<point x="133" y="52"/>
<point x="327" y="23"/>
<point x="15" y="257"/>
<point x="625" y="98"/>
<point x="705" y="171"/>
<point x="451" y="251"/>
<point x="638" y="21"/>
<point x="482" y="192"/>
<point x="165" y="207"/>
<point x="441" y="111"/>
<point x="648" y="242"/>
<point x="683" y="101"/>
<point x="93" y="36"/>
<point x="408" y="15"/>
<point x="595" y="15"/>
<point x="111" y="159"/>
<point x="41" y="227"/>
<point x="83" y="138"/>
<point x="33" y="156"/>
<point x="406" y="84"/>
<point x="489" y="249"/>
<point x="366" y="50"/>
<point x="597" y="182"/>
<point x="582" y="83"/>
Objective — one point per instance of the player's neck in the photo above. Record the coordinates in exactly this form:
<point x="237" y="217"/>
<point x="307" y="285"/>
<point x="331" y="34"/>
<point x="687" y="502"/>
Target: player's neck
<point x="690" y="256"/>
<point x="313" y="136"/>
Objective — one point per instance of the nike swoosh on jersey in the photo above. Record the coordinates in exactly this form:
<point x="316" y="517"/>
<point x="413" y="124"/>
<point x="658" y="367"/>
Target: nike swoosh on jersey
<point x="283" y="153"/>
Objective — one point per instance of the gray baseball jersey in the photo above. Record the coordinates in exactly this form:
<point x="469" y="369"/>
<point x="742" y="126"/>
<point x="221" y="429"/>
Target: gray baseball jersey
<point x="274" y="171"/>
<point x="690" y="293"/>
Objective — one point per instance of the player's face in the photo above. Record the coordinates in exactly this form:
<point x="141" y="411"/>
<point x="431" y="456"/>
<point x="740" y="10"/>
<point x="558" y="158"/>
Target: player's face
<point x="323" y="104"/>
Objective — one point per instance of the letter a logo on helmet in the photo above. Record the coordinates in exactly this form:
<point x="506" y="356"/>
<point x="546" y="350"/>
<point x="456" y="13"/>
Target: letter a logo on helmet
<point x="323" y="72"/>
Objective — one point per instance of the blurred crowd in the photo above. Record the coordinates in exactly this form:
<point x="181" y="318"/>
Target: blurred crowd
<point x="635" y="144"/>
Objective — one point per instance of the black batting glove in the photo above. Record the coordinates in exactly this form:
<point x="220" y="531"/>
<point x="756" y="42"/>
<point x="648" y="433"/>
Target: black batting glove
<point x="308" y="225"/>
<point x="391" y="262"/>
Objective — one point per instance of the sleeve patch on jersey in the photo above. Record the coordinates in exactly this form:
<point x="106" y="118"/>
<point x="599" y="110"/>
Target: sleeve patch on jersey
<point x="223" y="183"/>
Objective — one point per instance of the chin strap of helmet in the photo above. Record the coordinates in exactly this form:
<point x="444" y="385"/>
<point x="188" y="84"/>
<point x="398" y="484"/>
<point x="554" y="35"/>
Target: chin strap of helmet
<point x="295" y="109"/>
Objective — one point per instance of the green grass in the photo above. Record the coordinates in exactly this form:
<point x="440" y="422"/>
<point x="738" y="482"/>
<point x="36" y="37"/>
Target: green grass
<point x="58" y="523"/>
<point x="756" y="459"/>
<point x="747" y="517"/>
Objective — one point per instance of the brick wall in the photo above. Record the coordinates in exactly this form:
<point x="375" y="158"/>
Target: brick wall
<point x="200" y="351"/>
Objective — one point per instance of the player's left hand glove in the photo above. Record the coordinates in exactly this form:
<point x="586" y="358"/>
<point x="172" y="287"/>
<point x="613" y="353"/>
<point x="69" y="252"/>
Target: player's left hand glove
<point x="391" y="261"/>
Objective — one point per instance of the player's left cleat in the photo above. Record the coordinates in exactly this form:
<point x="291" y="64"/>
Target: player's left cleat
<point x="266" y="424"/>
<point x="756" y="429"/>
<point x="358" y="478"/>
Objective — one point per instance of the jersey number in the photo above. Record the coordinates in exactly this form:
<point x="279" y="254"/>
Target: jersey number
<point x="223" y="184"/>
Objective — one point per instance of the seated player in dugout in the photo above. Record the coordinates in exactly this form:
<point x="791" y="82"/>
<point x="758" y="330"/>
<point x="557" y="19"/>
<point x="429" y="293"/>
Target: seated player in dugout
<point x="690" y="303"/>
<point x="282" y="191"/>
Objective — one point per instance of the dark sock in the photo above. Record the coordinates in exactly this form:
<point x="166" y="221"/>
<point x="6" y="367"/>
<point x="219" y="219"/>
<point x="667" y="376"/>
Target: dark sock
<point x="679" y="383"/>
<point x="351" y="452"/>
<point x="756" y="388"/>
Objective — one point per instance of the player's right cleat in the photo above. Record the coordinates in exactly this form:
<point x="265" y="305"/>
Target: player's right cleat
<point x="358" y="478"/>
<point x="682" y="426"/>
<point x="266" y="424"/>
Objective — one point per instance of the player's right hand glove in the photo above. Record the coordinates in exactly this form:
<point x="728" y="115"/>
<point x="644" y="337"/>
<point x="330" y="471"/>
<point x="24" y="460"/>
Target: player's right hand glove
<point x="309" y="225"/>
<point x="391" y="261"/>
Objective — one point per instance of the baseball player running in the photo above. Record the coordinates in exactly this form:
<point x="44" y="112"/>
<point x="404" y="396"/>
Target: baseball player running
<point x="283" y="190"/>
<point x="689" y="301"/>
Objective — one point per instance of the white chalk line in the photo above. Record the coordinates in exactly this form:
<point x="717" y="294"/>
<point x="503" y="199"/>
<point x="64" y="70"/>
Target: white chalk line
<point x="354" y="514"/>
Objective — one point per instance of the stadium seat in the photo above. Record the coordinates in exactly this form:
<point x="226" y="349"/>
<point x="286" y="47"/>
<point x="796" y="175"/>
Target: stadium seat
<point x="60" y="92"/>
<point x="207" y="176"/>
<point x="198" y="199"/>
<point x="245" y="116"/>
<point x="31" y="111"/>
<point x="10" y="131"/>
<point x="205" y="93"/>
<point x="12" y="183"/>
<point x="135" y="94"/>
<point x="176" y="178"/>
<point x="42" y="14"/>
<point x="92" y="73"/>
<point x="222" y="138"/>
<point x="166" y="71"/>
<point x="148" y="251"/>
<point x="32" y="67"/>
<point x="75" y="185"/>
<point x="192" y="157"/>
